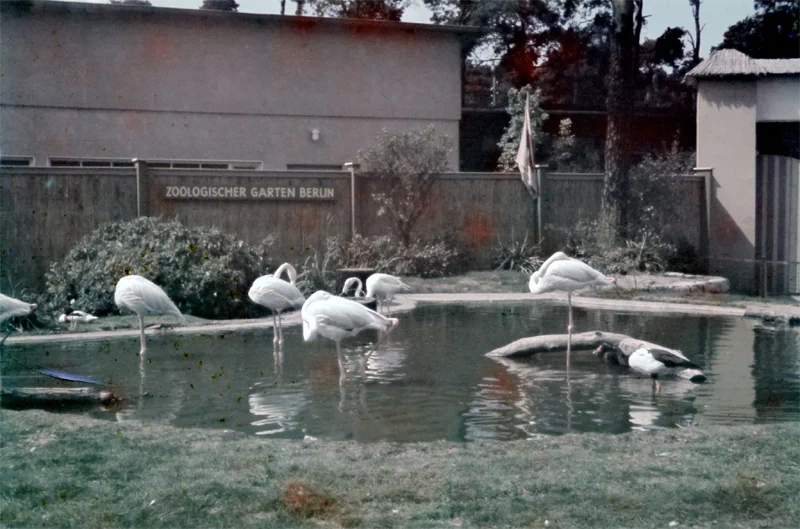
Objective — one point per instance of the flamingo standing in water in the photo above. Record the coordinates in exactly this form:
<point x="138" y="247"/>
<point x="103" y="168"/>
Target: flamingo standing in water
<point x="383" y="287"/>
<point x="336" y="318"/>
<point x="143" y="297"/>
<point x="277" y="295"/>
<point x="565" y="274"/>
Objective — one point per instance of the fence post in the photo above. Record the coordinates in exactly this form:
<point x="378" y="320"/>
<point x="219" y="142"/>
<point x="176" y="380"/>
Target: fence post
<point x="352" y="168"/>
<point x="708" y="190"/>
<point x="141" y="187"/>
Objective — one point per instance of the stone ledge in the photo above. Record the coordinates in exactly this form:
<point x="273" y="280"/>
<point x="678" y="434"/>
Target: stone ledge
<point x="675" y="282"/>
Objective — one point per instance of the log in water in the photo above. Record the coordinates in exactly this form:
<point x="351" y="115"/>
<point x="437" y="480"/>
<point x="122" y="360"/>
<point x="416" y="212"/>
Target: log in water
<point x="605" y="345"/>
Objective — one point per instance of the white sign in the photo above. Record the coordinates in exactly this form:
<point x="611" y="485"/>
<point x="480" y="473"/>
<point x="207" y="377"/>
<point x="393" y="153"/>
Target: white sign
<point x="248" y="193"/>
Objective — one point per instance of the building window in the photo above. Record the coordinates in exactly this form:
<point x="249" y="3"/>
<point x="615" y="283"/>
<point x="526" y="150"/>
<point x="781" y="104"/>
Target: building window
<point x="315" y="167"/>
<point x="158" y="164"/>
<point x="16" y="161"/>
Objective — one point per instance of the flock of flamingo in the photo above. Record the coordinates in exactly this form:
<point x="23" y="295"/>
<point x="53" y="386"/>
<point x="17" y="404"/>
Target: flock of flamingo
<point x="335" y="317"/>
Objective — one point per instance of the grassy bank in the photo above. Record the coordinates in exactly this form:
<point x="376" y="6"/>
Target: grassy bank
<point x="71" y="471"/>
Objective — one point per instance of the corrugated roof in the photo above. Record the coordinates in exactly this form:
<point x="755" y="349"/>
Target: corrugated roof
<point x="733" y="63"/>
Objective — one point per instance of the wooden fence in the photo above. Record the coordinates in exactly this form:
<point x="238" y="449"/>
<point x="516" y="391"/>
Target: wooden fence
<point x="45" y="211"/>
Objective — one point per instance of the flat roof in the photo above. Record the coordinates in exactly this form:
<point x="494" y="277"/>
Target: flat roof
<point x="32" y="6"/>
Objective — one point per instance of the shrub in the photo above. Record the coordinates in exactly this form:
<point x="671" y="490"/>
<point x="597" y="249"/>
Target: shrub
<point x="407" y="165"/>
<point x="381" y="252"/>
<point x="647" y="253"/>
<point x="319" y="272"/>
<point x="206" y="273"/>
<point x="517" y="255"/>
<point x="432" y="258"/>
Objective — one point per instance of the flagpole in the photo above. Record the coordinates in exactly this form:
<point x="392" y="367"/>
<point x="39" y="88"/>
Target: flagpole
<point x="538" y="169"/>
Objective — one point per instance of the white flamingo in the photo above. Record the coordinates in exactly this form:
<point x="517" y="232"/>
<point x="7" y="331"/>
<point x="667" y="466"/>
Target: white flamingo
<point x="10" y="307"/>
<point x="277" y="295"/>
<point x="143" y="297"/>
<point x="563" y="273"/>
<point x="654" y="362"/>
<point x="359" y="287"/>
<point x="75" y="317"/>
<point x="336" y="318"/>
<point x="383" y="287"/>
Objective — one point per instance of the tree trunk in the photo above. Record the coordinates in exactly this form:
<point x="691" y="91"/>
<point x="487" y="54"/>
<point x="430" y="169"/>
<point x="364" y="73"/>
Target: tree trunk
<point x="638" y="24"/>
<point x="616" y="188"/>
<point x="697" y="31"/>
<point x="283" y="7"/>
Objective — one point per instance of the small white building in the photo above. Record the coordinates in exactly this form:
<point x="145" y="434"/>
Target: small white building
<point x="748" y="133"/>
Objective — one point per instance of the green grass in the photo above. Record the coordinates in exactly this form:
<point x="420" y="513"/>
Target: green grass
<point x="73" y="471"/>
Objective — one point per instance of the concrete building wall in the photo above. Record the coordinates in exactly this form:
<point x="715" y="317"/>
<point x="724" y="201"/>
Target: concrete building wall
<point x="726" y="142"/>
<point x="778" y="99"/>
<point x="101" y="81"/>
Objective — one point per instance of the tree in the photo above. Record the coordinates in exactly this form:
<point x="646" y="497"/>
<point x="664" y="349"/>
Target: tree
<point x="698" y="30"/>
<point x="772" y="33"/>
<point x="220" y="5"/>
<point x="616" y="185"/>
<point x="509" y="143"/>
<point x="130" y="2"/>
<point x="407" y="164"/>
<point x="365" y="9"/>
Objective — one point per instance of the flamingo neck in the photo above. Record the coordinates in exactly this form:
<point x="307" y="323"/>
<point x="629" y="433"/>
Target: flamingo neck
<point x="359" y="288"/>
<point x="290" y="272"/>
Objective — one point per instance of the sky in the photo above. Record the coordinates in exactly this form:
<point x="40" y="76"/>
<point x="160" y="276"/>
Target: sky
<point x="717" y="15"/>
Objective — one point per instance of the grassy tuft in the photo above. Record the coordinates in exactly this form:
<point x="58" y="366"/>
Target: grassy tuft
<point x="303" y="501"/>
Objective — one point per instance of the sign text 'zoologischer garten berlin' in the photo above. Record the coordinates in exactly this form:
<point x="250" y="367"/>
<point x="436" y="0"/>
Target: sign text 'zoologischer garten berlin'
<point x="247" y="193"/>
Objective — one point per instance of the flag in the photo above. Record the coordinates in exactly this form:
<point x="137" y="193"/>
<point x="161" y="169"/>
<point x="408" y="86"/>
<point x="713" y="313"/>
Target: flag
<point x="525" y="153"/>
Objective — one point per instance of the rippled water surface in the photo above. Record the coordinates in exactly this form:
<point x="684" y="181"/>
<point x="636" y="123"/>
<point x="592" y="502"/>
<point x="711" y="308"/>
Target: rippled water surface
<point x="430" y="380"/>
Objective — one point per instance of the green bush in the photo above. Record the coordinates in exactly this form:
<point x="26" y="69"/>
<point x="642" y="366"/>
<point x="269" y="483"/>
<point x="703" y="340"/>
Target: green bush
<point x="206" y="273"/>
<point x="319" y="271"/>
<point x="517" y="255"/>
<point x="431" y="258"/>
<point x="646" y="253"/>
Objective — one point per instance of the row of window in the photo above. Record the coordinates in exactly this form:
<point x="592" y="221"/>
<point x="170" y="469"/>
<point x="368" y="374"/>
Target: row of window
<point x="28" y="161"/>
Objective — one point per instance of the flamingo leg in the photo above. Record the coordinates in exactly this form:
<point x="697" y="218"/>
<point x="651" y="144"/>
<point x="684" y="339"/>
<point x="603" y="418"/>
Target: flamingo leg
<point x="280" y="330"/>
<point x="341" y="362"/>
<point x="277" y="354"/>
<point x="6" y="336"/>
<point x="274" y="327"/>
<point x="569" y="327"/>
<point x="141" y="336"/>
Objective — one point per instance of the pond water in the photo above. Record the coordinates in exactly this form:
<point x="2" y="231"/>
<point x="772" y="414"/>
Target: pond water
<point x="430" y="379"/>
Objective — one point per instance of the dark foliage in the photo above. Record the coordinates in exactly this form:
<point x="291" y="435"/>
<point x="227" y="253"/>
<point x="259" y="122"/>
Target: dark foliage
<point x="206" y="273"/>
<point x="772" y="33"/>
<point x="220" y="5"/>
